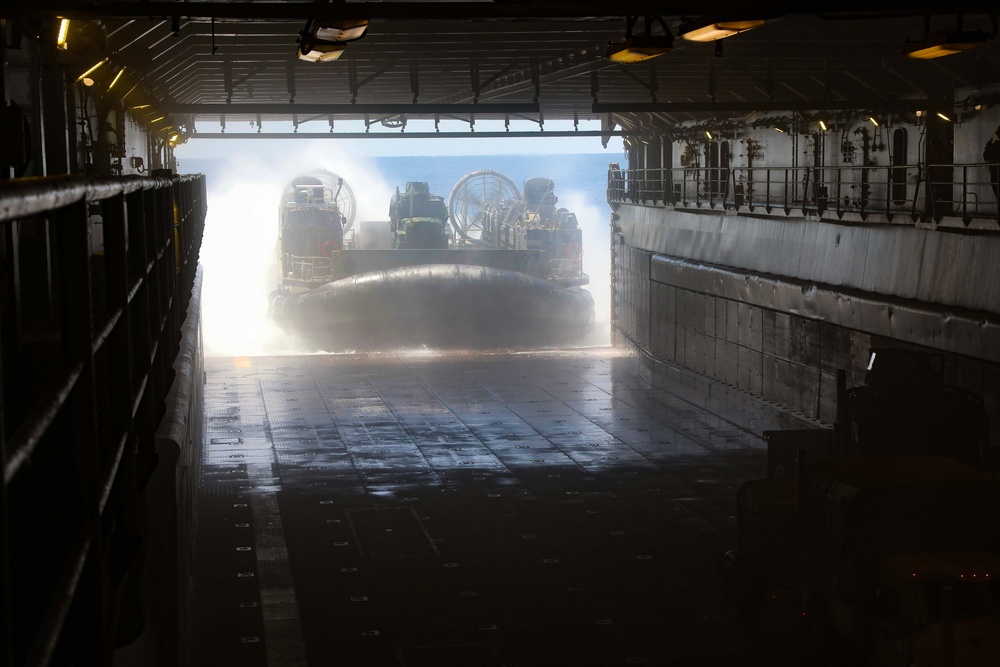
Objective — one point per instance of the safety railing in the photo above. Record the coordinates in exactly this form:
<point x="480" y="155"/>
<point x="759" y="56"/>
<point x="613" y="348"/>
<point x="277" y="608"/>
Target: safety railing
<point x="308" y="269"/>
<point x="87" y="342"/>
<point x="886" y="191"/>
<point x="966" y="191"/>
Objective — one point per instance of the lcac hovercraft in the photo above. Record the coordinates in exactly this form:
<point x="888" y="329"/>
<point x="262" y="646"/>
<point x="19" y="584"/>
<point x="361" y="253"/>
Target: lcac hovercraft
<point x="336" y="294"/>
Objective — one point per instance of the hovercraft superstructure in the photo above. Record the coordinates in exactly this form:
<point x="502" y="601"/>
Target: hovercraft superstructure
<point x="514" y="281"/>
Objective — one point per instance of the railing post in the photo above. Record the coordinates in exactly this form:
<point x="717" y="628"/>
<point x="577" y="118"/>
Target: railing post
<point x="6" y="615"/>
<point x="965" y="194"/>
<point x="76" y="342"/>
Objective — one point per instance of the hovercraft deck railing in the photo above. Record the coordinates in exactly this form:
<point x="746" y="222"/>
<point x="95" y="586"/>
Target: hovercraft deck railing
<point x="89" y="335"/>
<point x="908" y="193"/>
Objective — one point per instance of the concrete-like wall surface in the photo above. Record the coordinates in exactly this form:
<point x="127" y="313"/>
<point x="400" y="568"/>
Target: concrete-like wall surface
<point x="779" y="338"/>
<point x="941" y="267"/>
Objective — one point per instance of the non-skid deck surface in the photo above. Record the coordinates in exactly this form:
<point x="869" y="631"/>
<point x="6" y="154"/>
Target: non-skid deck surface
<point x="463" y="509"/>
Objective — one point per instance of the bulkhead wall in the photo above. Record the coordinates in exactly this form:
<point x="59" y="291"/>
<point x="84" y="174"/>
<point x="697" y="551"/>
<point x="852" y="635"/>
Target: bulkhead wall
<point x="775" y="307"/>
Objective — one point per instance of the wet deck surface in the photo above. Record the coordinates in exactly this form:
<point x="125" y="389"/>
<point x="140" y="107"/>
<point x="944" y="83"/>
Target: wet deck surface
<point x="470" y="509"/>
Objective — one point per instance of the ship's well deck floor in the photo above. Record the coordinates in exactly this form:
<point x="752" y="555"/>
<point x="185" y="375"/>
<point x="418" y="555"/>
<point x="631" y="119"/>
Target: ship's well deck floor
<point x="467" y="509"/>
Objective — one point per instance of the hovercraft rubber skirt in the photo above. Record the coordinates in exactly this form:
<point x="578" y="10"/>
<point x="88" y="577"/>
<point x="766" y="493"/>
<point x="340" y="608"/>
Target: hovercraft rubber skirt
<point x="443" y="305"/>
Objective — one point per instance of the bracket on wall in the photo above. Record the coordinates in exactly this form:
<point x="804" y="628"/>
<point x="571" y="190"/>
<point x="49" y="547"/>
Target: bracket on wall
<point x="355" y="85"/>
<point x="650" y="85"/>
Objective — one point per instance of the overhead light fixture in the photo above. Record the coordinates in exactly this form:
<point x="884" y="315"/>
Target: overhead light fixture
<point x="708" y="135"/>
<point x="701" y="32"/>
<point x="641" y="47"/>
<point x="637" y="49"/>
<point x="873" y="121"/>
<point x="780" y="130"/>
<point x="63" y="34"/>
<point x="321" y="53"/>
<point x="157" y="120"/>
<point x="937" y="44"/>
<point x="324" y="40"/>
<point x="117" y="76"/>
<point x="90" y="71"/>
<point x="174" y="138"/>
<point x="340" y="31"/>
<point x="822" y="125"/>
<point x="140" y="106"/>
<point x="943" y="117"/>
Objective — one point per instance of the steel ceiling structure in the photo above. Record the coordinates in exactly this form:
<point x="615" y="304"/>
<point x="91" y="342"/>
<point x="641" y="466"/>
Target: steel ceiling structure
<point x="210" y="61"/>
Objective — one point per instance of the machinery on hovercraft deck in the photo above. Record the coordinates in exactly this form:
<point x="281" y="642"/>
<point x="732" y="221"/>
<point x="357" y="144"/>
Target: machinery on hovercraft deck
<point x="418" y="219"/>
<point x="488" y="211"/>
<point x="336" y="295"/>
<point x="314" y="223"/>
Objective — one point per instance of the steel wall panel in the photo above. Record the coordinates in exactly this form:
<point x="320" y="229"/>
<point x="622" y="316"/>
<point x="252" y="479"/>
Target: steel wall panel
<point x="892" y="260"/>
<point x="919" y="323"/>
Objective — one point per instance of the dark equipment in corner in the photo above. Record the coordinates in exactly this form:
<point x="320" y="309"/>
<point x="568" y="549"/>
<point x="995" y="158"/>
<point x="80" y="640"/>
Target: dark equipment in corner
<point x="906" y="409"/>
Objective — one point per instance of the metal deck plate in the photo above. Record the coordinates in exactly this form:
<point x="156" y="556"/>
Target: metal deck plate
<point x="511" y="509"/>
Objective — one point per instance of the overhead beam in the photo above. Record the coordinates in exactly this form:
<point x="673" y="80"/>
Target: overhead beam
<point x="750" y="105"/>
<point x="348" y="109"/>
<point x="442" y="10"/>
<point x="537" y="134"/>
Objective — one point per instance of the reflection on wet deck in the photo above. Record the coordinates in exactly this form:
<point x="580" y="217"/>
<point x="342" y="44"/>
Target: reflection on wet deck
<point x="472" y="509"/>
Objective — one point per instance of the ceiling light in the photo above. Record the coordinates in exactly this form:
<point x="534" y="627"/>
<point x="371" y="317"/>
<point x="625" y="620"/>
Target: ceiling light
<point x="117" y="76"/>
<point x="708" y="134"/>
<point x="141" y="106"/>
<point x="873" y="121"/>
<point x="340" y="31"/>
<point x="63" y="34"/>
<point x="780" y="130"/>
<point x="174" y="138"/>
<point x="323" y="40"/>
<point x="639" y="48"/>
<point x="937" y="44"/>
<point x="321" y="53"/>
<point x="90" y="71"/>
<point x="822" y="125"/>
<point x="943" y="117"/>
<point x="157" y="120"/>
<point x="700" y="32"/>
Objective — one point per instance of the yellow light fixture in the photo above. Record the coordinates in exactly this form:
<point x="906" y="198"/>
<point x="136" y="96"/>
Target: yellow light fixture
<point x="90" y="71"/>
<point x="141" y="106"/>
<point x="174" y="138"/>
<point x="63" y="34"/>
<point x="639" y="48"/>
<point x="780" y="130"/>
<point x="873" y="121"/>
<point x="943" y="117"/>
<point x="700" y="32"/>
<point x="321" y="53"/>
<point x="708" y="135"/>
<point x="87" y="81"/>
<point x="117" y="76"/>
<point x="937" y="44"/>
<point x="157" y="120"/>
<point x="822" y="125"/>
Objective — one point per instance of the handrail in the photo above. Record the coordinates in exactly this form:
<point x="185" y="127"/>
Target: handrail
<point x="89" y="369"/>
<point x="862" y="191"/>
